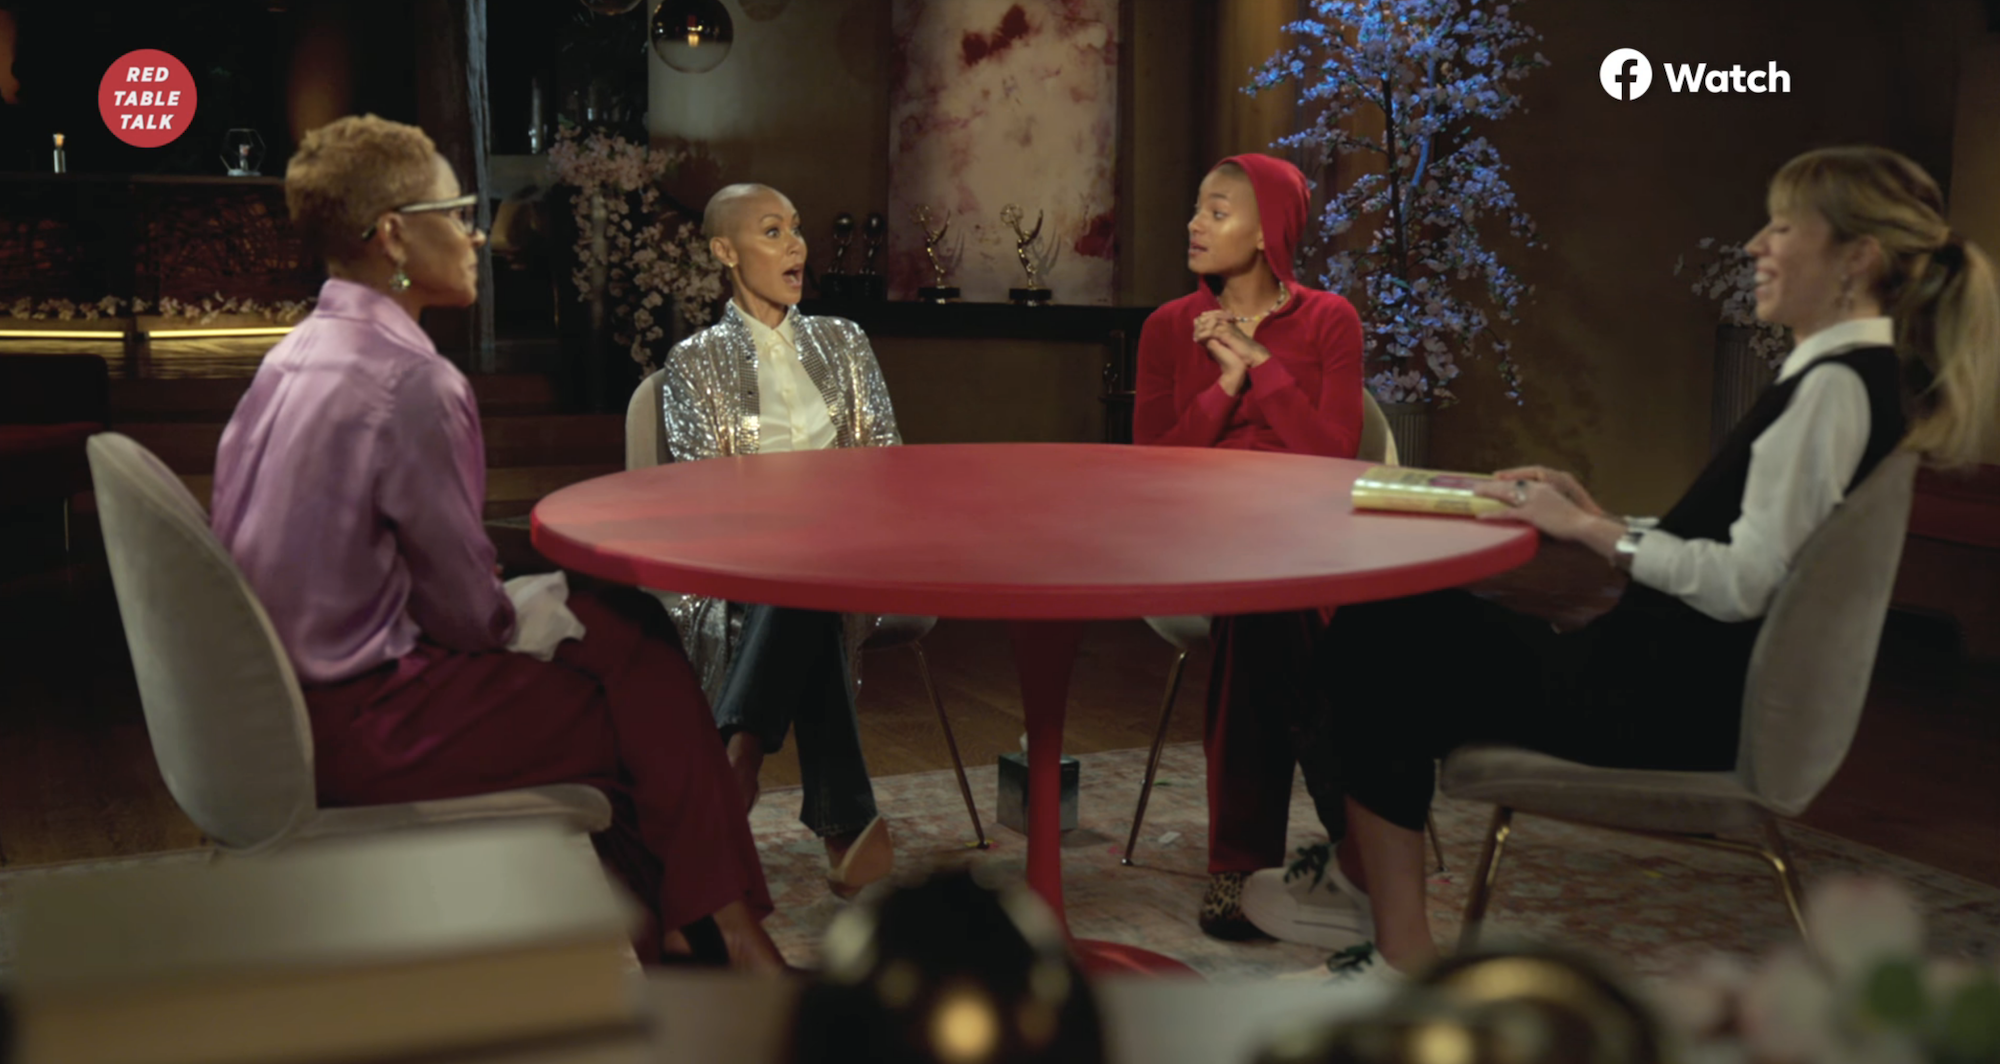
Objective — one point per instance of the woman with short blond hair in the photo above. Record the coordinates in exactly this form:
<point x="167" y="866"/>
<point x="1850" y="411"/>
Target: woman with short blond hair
<point x="349" y="487"/>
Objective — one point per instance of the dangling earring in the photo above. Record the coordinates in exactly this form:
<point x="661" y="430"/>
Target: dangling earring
<point x="1847" y="294"/>
<point x="399" y="281"/>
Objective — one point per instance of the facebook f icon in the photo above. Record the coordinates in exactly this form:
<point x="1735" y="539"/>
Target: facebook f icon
<point x="1626" y="74"/>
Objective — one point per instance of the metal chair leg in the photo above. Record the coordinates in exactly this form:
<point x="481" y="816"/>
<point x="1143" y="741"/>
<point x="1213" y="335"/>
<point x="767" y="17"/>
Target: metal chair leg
<point x="1483" y="877"/>
<point x="1437" y="847"/>
<point x="1779" y="856"/>
<point x="1153" y="762"/>
<point x="951" y="743"/>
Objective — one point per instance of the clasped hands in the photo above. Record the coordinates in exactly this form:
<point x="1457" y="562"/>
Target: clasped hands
<point x="1231" y="349"/>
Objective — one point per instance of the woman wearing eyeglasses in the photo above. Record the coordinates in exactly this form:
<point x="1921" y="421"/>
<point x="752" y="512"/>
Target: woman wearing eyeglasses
<point x="349" y="487"/>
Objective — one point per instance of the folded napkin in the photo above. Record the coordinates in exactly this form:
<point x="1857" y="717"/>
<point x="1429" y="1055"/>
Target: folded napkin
<point x="542" y="617"/>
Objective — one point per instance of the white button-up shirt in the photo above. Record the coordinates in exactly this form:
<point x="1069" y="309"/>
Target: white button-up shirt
<point x="791" y="414"/>
<point x="1799" y="471"/>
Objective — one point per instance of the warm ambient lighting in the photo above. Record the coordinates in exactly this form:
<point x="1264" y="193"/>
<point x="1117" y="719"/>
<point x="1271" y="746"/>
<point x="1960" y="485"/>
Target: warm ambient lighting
<point x="156" y="334"/>
<point x="189" y="334"/>
<point x="58" y="334"/>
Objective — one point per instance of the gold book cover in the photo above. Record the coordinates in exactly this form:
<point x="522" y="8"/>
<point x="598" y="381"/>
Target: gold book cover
<point x="1424" y="491"/>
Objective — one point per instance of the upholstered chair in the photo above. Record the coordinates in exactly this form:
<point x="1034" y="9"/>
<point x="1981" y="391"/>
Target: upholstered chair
<point x="1809" y="677"/>
<point x="223" y="707"/>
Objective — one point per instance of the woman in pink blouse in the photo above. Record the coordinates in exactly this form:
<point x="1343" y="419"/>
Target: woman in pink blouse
<point x="349" y="487"/>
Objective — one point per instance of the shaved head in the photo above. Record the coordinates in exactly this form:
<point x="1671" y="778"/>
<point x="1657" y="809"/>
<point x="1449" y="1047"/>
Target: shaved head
<point x="724" y="212"/>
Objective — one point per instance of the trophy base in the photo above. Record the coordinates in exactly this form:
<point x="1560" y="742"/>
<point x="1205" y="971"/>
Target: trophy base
<point x="938" y="294"/>
<point x="833" y="285"/>
<point x="1030" y="297"/>
<point x="869" y="286"/>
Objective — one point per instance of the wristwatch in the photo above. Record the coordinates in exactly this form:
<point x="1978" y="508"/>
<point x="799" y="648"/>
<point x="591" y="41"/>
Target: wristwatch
<point x="1626" y="550"/>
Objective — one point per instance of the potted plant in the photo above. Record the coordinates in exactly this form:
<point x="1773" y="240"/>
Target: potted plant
<point x="1428" y="285"/>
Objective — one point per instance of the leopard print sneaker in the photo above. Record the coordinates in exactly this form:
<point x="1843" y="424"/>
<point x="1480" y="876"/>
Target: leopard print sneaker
<point x="1221" y="913"/>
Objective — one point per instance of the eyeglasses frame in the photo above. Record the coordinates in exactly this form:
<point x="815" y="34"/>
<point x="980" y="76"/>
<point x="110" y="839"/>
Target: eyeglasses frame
<point x="470" y="199"/>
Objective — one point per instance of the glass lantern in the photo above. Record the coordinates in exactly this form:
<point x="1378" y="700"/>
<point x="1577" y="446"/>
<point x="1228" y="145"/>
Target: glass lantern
<point x="243" y="153"/>
<point x="692" y="36"/>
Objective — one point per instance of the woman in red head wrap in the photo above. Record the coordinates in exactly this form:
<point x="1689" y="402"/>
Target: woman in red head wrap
<point x="1253" y="360"/>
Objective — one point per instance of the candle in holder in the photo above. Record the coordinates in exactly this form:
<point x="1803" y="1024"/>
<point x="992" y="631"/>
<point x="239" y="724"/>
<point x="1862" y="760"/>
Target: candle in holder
<point x="62" y="162"/>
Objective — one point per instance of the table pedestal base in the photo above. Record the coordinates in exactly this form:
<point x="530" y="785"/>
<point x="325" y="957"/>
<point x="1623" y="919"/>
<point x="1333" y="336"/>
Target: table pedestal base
<point x="1044" y="654"/>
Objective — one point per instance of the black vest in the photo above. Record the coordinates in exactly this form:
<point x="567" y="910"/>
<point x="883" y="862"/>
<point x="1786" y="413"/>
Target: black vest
<point x="1653" y="652"/>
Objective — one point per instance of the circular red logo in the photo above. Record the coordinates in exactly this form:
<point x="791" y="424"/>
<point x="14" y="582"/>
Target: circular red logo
<point x="146" y="98"/>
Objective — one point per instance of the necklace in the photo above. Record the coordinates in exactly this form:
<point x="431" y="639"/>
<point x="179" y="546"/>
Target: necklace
<point x="1245" y="319"/>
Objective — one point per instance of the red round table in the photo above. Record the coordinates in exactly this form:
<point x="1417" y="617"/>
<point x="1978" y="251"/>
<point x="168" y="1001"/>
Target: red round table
<point x="1046" y="536"/>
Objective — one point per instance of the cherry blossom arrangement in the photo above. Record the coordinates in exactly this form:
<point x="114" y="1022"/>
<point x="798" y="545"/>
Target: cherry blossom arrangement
<point x="1730" y="276"/>
<point x="651" y="252"/>
<point x="1428" y="286"/>
<point x="283" y="312"/>
<point x="1867" y="994"/>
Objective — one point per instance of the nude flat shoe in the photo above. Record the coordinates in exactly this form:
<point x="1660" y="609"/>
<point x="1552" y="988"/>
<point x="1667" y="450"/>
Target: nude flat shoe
<point x="872" y="857"/>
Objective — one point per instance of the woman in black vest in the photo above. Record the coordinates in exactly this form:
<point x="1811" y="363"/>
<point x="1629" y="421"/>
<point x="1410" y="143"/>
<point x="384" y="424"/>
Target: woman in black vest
<point x="1897" y="322"/>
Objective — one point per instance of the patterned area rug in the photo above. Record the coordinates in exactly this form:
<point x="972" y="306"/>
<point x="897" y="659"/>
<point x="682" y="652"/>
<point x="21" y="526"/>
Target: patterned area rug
<point x="1655" y="906"/>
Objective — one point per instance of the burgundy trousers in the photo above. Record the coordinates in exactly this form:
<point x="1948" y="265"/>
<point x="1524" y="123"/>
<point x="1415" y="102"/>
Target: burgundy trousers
<point x="1267" y="711"/>
<point x="619" y="710"/>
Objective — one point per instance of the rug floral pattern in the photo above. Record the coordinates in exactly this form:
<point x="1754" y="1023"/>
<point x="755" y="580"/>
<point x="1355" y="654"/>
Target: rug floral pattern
<point x="1653" y="907"/>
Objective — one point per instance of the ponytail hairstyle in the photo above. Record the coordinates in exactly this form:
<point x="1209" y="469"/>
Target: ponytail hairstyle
<point x="1942" y="290"/>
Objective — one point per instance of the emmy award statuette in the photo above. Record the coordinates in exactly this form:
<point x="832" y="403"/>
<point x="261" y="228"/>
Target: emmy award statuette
<point x="833" y="283"/>
<point x="870" y="283"/>
<point x="1033" y="294"/>
<point x="940" y="266"/>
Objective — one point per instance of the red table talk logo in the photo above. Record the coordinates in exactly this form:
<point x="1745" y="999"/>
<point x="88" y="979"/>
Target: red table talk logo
<point x="147" y="98"/>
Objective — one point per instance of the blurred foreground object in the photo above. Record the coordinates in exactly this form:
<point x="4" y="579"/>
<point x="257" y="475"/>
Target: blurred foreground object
<point x="392" y="946"/>
<point x="1868" y="992"/>
<point x="1531" y="1006"/>
<point x="949" y="971"/>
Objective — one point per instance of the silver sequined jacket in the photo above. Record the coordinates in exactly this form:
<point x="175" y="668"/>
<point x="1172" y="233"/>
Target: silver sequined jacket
<point x="710" y="407"/>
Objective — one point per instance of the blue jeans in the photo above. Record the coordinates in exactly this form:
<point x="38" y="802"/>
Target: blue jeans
<point x="790" y="672"/>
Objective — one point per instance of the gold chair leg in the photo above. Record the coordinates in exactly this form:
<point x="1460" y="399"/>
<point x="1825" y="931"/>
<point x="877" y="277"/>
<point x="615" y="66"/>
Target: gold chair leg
<point x="1153" y="762"/>
<point x="1437" y="847"/>
<point x="1483" y="877"/>
<point x="951" y="744"/>
<point x="1779" y="857"/>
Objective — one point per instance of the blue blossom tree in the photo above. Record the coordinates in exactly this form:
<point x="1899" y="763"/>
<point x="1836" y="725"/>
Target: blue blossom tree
<point x="1426" y="283"/>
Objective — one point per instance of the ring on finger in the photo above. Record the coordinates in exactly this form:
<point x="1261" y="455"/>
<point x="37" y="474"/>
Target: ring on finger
<point x="1520" y="493"/>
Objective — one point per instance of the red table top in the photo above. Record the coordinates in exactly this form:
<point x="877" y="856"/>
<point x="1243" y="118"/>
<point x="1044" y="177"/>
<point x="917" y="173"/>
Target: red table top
<point x="1014" y="531"/>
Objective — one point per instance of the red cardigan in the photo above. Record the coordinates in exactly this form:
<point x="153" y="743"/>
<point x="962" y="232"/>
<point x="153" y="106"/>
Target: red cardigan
<point x="1305" y="399"/>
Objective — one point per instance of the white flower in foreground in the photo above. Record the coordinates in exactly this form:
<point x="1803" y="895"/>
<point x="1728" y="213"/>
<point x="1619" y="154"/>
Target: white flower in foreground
<point x="1857" y="923"/>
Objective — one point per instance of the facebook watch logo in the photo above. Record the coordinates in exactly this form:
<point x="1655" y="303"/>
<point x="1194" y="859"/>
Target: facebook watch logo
<point x="1626" y="74"/>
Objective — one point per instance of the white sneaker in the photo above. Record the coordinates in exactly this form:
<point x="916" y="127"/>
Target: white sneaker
<point x="1309" y="902"/>
<point x="1363" y="965"/>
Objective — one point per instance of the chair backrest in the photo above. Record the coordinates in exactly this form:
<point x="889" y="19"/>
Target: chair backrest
<point x="1378" y="444"/>
<point x="227" y="719"/>
<point x="1810" y="670"/>
<point x="643" y="447"/>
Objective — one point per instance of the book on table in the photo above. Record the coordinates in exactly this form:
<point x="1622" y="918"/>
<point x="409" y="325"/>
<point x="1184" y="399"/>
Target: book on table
<point x="448" y="942"/>
<point x="1423" y="491"/>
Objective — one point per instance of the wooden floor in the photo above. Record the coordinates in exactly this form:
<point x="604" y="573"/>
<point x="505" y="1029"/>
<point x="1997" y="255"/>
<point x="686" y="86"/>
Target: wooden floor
<point x="77" y="778"/>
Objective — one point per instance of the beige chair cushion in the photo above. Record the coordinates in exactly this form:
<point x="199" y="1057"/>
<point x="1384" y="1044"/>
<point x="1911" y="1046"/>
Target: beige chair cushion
<point x="1808" y="680"/>
<point x="644" y="448"/>
<point x="224" y="710"/>
<point x="1633" y="799"/>
<point x="575" y="806"/>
